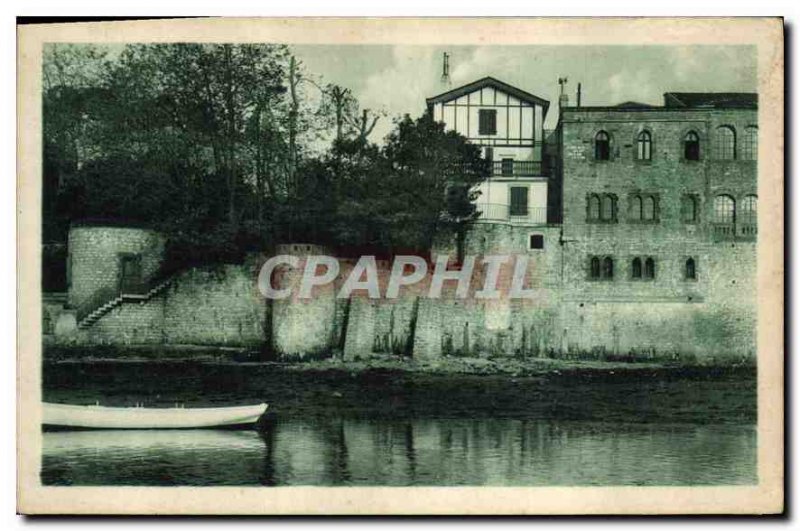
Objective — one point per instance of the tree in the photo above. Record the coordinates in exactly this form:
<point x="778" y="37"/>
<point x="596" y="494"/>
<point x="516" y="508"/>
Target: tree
<point x="70" y="75"/>
<point x="217" y="145"/>
<point x="351" y="122"/>
<point x="398" y="197"/>
<point x="433" y="174"/>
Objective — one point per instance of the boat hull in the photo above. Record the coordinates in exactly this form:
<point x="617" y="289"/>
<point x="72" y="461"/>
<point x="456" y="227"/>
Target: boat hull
<point x="117" y="418"/>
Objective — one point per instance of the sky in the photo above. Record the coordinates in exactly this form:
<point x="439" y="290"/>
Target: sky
<point x="397" y="79"/>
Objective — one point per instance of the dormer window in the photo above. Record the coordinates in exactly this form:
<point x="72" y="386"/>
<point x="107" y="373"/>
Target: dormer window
<point x="487" y="122"/>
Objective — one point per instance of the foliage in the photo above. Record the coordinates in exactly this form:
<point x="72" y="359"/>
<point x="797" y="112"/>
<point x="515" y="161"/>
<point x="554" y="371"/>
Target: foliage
<point x="217" y="145"/>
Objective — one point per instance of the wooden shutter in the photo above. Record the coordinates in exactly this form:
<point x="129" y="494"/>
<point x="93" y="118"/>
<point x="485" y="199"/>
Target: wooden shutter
<point x="519" y="201"/>
<point x="487" y="121"/>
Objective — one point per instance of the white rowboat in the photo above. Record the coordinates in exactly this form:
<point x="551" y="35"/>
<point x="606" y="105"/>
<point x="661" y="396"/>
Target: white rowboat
<point x="71" y="416"/>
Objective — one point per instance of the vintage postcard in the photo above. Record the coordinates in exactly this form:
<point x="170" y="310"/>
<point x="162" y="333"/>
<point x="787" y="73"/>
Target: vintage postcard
<point x="401" y="266"/>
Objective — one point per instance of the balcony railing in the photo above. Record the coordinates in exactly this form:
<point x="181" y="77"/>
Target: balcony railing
<point x="515" y="168"/>
<point x="735" y="231"/>
<point x="509" y="169"/>
<point x="501" y="212"/>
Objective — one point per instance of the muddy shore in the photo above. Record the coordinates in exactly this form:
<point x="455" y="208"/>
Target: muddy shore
<point x="402" y="388"/>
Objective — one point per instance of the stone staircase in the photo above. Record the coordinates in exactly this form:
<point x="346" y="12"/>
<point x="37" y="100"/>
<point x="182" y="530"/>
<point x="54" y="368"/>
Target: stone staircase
<point x="96" y="314"/>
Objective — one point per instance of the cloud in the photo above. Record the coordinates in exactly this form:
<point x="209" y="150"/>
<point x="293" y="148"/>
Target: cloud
<point x="398" y="80"/>
<point x="402" y="86"/>
<point x="637" y="85"/>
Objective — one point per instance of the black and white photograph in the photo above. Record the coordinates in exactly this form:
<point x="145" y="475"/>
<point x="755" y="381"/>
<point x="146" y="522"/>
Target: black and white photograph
<point x="371" y="260"/>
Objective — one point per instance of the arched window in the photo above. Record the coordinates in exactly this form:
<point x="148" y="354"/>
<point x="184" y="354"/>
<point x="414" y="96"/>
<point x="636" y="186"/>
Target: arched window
<point x="593" y="209"/>
<point x="608" y="267"/>
<point x="691" y="272"/>
<point x="643" y="146"/>
<point x="649" y="268"/>
<point x="594" y="267"/>
<point x="748" y="212"/>
<point x="690" y="209"/>
<point x="750" y="147"/>
<point x="609" y="208"/>
<point x="649" y="208"/>
<point x="725" y="143"/>
<point x="636" y="268"/>
<point x="724" y="209"/>
<point x="691" y="146"/>
<point x="602" y="146"/>
<point x="636" y="208"/>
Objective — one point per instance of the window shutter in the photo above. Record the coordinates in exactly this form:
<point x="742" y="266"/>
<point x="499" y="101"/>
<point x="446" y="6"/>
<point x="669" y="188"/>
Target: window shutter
<point x="487" y="121"/>
<point x="519" y="201"/>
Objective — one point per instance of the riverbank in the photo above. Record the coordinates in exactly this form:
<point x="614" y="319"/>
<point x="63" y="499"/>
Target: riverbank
<point x="513" y="366"/>
<point x="406" y="389"/>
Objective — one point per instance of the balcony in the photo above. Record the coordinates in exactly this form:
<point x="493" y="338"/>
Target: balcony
<point x="515" y="168"/>
<point x="493" y="212"/>
<point x="734" y="231"/>
<point x="509" y="169"/>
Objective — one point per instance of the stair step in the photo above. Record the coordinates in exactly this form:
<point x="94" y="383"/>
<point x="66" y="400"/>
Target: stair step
<point x="98" y="313"/>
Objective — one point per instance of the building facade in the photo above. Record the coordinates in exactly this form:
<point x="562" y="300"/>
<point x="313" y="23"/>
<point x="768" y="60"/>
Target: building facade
<point x="660" y="223"/>
<point x="639" y="232"/>
<point x="508" y="124"/>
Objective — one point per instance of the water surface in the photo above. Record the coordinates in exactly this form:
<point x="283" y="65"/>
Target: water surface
<point x="347" y="451"/>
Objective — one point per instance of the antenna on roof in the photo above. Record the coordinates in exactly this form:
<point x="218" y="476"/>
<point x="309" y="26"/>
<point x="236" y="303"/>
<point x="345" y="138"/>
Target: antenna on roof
<point x="446" y="69"/>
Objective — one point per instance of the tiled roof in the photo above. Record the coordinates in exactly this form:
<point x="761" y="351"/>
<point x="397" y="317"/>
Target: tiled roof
<point x="715" y="100"/>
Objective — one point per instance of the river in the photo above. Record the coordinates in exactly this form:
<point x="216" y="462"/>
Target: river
<point x="340" y="428"/>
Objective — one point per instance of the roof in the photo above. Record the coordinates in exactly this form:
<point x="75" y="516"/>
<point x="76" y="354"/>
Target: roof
<point x="714" y="100"/>
<point x="488" y="82"/>
<point x="634" y="105"/>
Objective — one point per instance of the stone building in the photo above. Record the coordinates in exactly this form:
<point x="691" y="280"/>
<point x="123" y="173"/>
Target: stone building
<point x="638" y="224"/>
<point x="659" y="224"/>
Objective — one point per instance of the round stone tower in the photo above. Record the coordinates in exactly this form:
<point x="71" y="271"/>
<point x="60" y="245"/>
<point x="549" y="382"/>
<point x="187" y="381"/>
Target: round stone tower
<point x="104" y="260"/>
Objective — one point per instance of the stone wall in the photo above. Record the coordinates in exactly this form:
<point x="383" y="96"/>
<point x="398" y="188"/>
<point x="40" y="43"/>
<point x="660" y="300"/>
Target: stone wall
<point x="94" y="258"/>
<point x="302" y="328"/>
<point x="216" y="306"/>
<point x="131" y="323"/>
<point x="669" y="313"/>
<point x="502" y="327"/>
<point x="202" y="306"/>
<point x="712" y="316"/>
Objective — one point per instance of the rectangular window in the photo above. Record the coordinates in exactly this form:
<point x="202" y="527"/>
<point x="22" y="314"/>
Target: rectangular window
<point x="519" y="201"/>
<point x="536" y="241"/>
<point x="487" y="122"/>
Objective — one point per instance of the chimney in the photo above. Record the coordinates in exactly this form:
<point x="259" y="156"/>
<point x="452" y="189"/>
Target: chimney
<point x="445" y="80"/>
<point x="563" y="99"/>
<point x="578" y="103"/>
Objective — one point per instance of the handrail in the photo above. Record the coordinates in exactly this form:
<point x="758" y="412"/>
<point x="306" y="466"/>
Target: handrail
<point x="503" y="212"/>
<point x="506" y="169"/>
<point x="98" y="299"/>
<point x="516" y="168"/>
<point x="734" y="231"/>
<point x="106" y="295"/>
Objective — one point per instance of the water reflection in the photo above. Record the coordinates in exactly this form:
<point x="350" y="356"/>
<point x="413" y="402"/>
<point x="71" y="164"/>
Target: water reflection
<point x="347" y="451"/>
